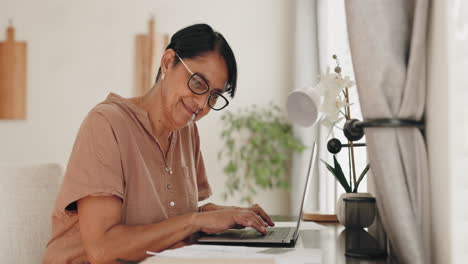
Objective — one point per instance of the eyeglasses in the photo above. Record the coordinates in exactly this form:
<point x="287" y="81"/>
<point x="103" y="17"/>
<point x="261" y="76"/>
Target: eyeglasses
<point x="198" y="85"/>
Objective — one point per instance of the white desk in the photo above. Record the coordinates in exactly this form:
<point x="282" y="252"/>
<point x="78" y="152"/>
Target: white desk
<point x="328" y="240"/>
<point x="332" y="240"/>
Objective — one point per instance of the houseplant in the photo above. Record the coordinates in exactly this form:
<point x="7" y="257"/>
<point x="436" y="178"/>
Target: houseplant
<point x="335" y="109"/>
<point x="258" y="144"/>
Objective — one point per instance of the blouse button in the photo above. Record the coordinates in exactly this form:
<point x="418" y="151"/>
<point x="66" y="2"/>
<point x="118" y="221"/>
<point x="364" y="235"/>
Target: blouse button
<point x="171" y="204"/>
<point x="168" y="186"/>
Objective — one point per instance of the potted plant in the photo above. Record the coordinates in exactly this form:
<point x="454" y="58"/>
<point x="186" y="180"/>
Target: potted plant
<point x="335" y="109"/>
<point x="258" y="143"/>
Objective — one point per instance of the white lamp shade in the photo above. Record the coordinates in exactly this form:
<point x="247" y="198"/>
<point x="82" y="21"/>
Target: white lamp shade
<point x="302" y="107"/>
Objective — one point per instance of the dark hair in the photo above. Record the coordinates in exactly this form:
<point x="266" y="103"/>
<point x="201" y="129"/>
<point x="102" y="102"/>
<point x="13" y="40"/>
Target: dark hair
<point x="197" y="39"/>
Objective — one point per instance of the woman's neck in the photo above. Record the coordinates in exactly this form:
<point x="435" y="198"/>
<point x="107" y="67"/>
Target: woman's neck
<point x="151" y="103"/>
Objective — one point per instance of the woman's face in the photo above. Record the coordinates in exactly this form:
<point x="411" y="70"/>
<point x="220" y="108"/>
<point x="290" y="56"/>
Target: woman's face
<point x="179" y="102"/>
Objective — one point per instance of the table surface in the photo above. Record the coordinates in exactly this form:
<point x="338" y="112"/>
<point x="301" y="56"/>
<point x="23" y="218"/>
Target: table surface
<point x="332" y="239"/>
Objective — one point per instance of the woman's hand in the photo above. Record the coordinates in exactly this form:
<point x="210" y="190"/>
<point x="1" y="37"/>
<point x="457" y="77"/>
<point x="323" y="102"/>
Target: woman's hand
<point x="220" y="220"/>
<point x="259" y="211"/>
<point x="179" y="245"/>
<point x="254" y="208"/>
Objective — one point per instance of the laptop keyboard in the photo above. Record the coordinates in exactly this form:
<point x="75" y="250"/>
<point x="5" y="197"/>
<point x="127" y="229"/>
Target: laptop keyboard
<point x="272" y="233"/>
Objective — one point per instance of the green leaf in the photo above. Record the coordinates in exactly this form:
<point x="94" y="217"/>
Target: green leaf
<point x="230" y="168"/>
<point x="329" y="167"/>
<point x="341" y="175"/>
<point x="338" y="173"/>
<point x="284" y="185"/>
<point x="363" y="173"/>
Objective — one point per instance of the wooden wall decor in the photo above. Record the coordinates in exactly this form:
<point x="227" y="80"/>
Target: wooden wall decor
<point x="148" y="51"/>
<point x="12" y="77"/>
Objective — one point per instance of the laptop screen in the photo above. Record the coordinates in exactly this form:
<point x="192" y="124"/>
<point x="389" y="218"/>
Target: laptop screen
<point x="311" y="165"/>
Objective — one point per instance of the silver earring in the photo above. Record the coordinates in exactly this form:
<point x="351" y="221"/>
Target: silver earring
<point x="163" y="76"/>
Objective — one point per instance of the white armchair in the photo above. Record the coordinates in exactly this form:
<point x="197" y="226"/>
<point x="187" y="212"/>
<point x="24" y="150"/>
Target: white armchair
<point x="27" y="197"/>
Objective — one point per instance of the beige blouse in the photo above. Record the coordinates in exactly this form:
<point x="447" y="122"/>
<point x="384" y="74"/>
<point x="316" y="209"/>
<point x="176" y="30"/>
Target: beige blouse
<point x="116" y="153"/>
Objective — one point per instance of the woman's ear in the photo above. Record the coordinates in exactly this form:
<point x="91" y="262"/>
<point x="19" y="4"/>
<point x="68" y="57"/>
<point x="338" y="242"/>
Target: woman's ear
<point x="166" y="61"/>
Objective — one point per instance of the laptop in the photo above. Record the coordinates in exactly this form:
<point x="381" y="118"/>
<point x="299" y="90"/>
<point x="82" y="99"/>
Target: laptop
<point x="275" y="237"/>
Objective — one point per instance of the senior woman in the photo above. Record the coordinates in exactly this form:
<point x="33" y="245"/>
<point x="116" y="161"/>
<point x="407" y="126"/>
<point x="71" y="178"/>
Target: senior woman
<point x="136" y="173"/>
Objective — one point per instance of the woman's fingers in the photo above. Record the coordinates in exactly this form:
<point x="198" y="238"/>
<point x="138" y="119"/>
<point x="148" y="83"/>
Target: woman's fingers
<point x="259" y="210"/>
<point x="250" y="219"/>
<point x="260" y="228"/>
<point x="263" y="223"/>
<point x="259" y="224"/>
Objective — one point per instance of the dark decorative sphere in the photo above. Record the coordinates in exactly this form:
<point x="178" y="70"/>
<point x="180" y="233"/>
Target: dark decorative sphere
<point x="352" y="131"/>
<point x="334" y="145"/>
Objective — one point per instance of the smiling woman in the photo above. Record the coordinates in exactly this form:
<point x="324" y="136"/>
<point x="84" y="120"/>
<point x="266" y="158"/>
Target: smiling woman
<point x="136" y="172"/>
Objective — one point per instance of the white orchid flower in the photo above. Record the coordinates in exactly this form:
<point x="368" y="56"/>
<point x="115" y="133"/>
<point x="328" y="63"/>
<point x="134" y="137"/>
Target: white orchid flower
<point x="330" y="87"/>
<point x="345" y="82"/>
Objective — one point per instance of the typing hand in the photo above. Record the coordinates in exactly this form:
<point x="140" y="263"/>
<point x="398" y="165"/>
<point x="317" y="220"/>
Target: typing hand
<point x="259" y="211"/>
<point x="220" y="220"/>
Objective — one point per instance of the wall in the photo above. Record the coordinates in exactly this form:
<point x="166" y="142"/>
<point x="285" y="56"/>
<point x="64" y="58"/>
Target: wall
<point x="447" y="129"/>
<point x="79" y="51"/>
<point x="458" y="126"/>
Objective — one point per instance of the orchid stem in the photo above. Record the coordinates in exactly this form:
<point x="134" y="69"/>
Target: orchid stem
<point x="349" y="166"/>
<point x="351" y="145"/>
<point x="343" y="113"/>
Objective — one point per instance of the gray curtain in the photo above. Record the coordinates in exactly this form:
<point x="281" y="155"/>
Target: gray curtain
<point x="388" y="48"/>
